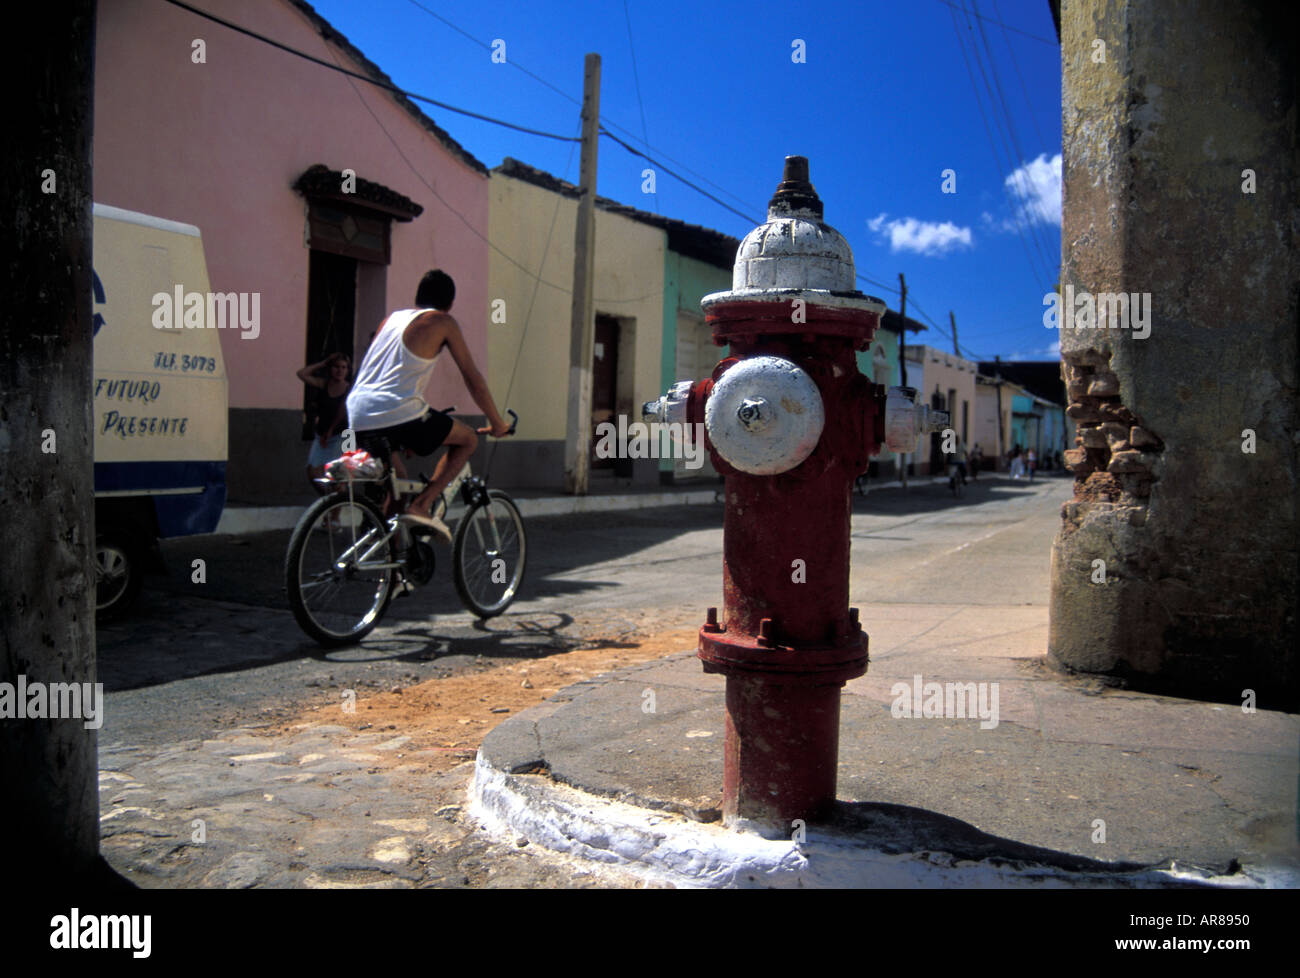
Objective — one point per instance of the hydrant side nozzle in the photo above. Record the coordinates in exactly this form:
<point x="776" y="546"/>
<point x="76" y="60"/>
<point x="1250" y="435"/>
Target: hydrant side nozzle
<point x="906" y="420"/>
<point x="670" y="408"/>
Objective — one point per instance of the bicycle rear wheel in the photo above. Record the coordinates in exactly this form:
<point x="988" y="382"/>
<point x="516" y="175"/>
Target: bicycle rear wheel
<point x="488" y="555"/>
<point x="340" y="569"/>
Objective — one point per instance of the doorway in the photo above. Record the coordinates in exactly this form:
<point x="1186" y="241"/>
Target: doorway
<point x="331" y="318"/>
<point x="604" y="390"/>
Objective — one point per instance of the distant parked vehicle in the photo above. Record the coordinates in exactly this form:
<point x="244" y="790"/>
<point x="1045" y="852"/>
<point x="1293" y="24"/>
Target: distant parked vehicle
<point x="159" y="411"/>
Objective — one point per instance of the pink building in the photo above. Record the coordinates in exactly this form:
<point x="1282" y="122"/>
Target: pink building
<point x="224" y="134"/>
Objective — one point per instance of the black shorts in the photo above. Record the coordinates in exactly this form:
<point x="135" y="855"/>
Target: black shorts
<point x="423" y="435"/>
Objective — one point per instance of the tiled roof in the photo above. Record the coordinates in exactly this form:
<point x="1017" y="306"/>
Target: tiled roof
<point x="320" y="181"/>
<point x="691" y="240"/>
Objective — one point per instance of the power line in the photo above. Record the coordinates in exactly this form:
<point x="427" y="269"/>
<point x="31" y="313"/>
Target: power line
<point x="1022" y="178"/>
<point x="365" y="78"/>
<point x="653" y="162"/>
<point x="576" y="101"/>
<point x="1009" y="143"/>
<point x="1024" y="89"/>
<point x="488" y="47"/>
<point x="1008" y="27"/>
<point x="989" y="135"/>
<point x="536" y="276"/>
<point x="636" y="77"/>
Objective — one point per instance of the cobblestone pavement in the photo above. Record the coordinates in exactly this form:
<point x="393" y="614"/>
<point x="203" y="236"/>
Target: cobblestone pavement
<point x="321" y="809"/>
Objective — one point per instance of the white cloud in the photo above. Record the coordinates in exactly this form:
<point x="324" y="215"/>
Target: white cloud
<point x="922" y="237"/>
<point x="1050" y="352"/>
<point x="1036" y="187"/>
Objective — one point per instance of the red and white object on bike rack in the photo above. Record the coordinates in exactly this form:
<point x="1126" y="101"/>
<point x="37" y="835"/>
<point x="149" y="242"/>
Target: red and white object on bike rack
<point x="354" y="465"/>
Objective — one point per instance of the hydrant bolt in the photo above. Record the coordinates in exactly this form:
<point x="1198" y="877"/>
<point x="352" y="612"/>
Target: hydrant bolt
<point x="751" y="414"/>
<point x="711" y="621"/>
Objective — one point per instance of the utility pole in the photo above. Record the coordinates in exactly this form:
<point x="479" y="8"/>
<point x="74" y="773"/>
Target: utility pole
<point x="997" y="376"/>
<point x="902" y="355"/>
<point x="577" y="445"/>
<point x="953" y="320"/>
<point x="902" y="336"/>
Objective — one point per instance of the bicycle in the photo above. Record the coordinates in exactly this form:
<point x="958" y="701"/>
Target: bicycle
<point x="346" y="559"/>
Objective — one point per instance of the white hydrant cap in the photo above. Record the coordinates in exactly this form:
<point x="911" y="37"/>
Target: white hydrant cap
<point x="796" y="252"/>
<point x="795" y="249"/>
<point x="765" y="415"/>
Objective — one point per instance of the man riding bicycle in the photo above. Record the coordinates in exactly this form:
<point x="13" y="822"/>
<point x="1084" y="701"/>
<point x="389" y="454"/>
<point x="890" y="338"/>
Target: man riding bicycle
<point x="387" y="399"/>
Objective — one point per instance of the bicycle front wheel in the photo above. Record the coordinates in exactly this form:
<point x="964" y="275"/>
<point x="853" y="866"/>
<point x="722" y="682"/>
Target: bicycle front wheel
<point x="340" y="569"/>
<point x="488" y="555"/>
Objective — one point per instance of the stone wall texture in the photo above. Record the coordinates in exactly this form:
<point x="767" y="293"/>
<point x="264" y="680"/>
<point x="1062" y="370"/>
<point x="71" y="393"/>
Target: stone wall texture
<point x="1198" y="536"/>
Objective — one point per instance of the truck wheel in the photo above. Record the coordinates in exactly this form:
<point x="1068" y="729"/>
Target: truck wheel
<point x="119" y="572"/>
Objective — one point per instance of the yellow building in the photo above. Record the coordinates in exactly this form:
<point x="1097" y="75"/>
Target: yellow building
<point x="992" y="431"/>
<point x="946" y="383"/>
<point x="645" y="266"/>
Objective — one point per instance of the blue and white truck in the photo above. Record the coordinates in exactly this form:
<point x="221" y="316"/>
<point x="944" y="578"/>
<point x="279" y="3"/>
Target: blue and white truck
<point x="159" y="401"/>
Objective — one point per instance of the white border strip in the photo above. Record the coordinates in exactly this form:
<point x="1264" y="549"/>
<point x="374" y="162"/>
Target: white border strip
<point x="147" y="220"/>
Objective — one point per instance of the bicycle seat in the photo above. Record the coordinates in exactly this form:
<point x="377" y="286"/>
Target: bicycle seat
<point x="378" y="446"/>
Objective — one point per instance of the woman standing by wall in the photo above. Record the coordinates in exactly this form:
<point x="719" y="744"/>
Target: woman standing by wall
<point x="331" y="410"/>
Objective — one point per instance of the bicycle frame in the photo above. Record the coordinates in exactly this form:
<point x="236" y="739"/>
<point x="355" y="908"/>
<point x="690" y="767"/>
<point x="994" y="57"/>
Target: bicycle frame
<point x="400" y="490"/>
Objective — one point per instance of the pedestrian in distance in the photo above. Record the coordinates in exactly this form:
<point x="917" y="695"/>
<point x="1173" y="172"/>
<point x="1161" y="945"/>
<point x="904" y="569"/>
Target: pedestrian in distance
<point x="1031" y="462"/>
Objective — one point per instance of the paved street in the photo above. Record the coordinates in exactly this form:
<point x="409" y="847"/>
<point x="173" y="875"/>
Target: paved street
<point x="219" y="709"/>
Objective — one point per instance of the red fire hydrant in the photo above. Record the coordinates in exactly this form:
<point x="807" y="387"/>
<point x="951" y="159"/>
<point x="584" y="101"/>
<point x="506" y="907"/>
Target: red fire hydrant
<point x="790" y="422"/>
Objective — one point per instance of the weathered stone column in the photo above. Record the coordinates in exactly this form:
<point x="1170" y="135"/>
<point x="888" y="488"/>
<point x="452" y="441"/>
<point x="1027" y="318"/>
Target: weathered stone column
<point x="50" y="805"/>
<point x="1180" y="184"/>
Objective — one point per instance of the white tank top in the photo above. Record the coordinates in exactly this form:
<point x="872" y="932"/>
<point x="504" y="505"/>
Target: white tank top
<point x="389" y="388"/>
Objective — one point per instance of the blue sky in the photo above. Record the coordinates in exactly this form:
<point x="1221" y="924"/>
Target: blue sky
<point x="887" y="97"/>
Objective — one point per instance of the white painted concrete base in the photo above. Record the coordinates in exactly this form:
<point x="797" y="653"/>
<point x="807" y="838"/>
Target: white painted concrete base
<point x="669" y="848"/>
<point x="259" y="519"/>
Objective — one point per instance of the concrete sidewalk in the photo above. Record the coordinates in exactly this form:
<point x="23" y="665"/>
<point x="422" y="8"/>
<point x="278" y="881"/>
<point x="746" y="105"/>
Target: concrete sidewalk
<point x="1075" y="785"/>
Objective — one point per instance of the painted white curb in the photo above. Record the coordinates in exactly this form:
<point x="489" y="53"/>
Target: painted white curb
<point x="670" y="848"/>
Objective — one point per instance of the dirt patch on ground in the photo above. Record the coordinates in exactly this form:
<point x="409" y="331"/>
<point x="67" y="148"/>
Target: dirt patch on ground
<point x="446" y="719"/>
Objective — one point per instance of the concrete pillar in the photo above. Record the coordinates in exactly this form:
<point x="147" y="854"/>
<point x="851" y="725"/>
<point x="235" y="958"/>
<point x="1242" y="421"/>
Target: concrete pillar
<point x="50" y="810"/>
<point x="1196" y="538"/>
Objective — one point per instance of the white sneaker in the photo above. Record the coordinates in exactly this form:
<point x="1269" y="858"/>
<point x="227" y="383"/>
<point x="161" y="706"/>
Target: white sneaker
<point x="428" y="523"/>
